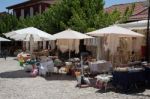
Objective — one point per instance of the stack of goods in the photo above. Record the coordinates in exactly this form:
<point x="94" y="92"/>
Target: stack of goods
<point x="41" y="53"/>
<point x="46" y="66"/>
<point x="23" y="57"/>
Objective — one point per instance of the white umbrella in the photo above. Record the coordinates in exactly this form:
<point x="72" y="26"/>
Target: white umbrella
<point x="115" y="30"/>
<point x="135" y="25"/>
<point x="24" y="35"/>
<point x="71" y="35"/>
<point x="1" y="40"/>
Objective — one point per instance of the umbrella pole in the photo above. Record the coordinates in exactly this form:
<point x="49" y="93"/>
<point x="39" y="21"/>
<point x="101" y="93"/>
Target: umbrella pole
<point x="69" y="54"/>
<point x="0" y="47"/>
<point x="98" y="49"/>
<point x="82" y="66"/>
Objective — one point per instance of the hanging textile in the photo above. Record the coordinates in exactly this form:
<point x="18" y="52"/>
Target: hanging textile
<point x="129" y="44"/>
<point x="44" y="44"/>
<point x="65" y="45"/>
<point x="71" y="44"/>
<point x="77" y="43"/>
<point x="111" y="43"/>
<point x="24" y="45"/>
<point x="31" y="44"/>
<point x="62" y="45"/>
<point x="51" y="45"/>
<point x="91" y="42"/>
<point x="36" y="45"/>
<point x="27" y="45"/>
<point x="40" y="45"/>
<point x="137" y="44"/>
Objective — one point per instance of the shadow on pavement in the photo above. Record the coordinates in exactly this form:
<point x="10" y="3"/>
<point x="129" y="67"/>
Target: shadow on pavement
<point x="60" y="77"/>
<point x="15" y="74"/>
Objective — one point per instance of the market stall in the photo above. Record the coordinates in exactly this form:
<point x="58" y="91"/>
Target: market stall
<point x="31" y="35"/>
<point x="117" y="41"/>
<point x="69" y="40"/>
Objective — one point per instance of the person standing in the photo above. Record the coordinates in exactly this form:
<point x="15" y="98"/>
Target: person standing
<point x="5" y="53"/>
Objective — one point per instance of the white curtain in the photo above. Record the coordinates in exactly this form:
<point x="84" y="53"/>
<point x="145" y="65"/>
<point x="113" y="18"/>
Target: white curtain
<point x="65" y="45"/>
<point x="52" y="45"/>
<point x="31" y="43"/>
<point x="27" y="45"/>
<point x="111" y="44"/>
<point x="44" y="44"/>
<point x="137" y="43"/>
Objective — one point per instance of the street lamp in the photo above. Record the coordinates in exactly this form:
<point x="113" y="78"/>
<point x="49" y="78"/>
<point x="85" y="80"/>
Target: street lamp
<point x="147" y="3"/>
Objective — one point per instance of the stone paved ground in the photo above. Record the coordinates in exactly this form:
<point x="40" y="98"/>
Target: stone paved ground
<point x="16" y="84"/>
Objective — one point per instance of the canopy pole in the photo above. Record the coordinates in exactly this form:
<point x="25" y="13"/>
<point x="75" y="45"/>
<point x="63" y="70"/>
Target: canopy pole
<point x="69" y="54"/>
<point x="81" y="62"/>
<point x="98" y="48"/>
<point x="0" y="48"/>
<point x="148" y="38"/>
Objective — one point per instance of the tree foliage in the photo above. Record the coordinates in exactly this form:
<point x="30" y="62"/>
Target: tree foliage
<point x="8" y="23"/>
<point x="79" y="15"/>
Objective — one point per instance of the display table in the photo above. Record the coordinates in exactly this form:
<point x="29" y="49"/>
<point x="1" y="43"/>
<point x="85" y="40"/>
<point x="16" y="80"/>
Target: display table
<point x="41" y="53"/>
<point x="147" y="74"/>
<point x="127" y="79"/>
<point x="102" y="81"/>
<point x="100" y="66"/>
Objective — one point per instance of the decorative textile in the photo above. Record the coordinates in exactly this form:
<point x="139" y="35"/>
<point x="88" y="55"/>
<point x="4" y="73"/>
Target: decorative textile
<point x="31" y="43"/>
<point x="91" y="42"/>
<point x="100" y="66"/>
<point x="65" y="45"/>
<point x="27" y="45"/>
<point x="51" y="45"/>
<point x="111" y="43"/>
<point x="137" y="43"/>
<point x="129" y="44"/>
<point x="44" y="44"/>
<point x="62" y="45"/>
<point x="77" y="43"/>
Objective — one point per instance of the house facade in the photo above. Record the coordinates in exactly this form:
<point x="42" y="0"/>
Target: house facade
<point x="30" y="8"/>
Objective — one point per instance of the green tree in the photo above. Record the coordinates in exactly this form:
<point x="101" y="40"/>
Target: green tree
<point x="8" y="23"/>
<point x="35" y="21"/>
<point x="80" y="15"/>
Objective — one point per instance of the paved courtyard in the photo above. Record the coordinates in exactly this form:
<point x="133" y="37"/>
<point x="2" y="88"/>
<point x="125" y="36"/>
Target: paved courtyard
<point x="16" y="84"/>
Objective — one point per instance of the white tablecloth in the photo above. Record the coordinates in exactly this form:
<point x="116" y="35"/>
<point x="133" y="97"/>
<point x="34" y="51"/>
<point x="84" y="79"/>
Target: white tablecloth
<point x="100" y="66"/>
<point x="46" y="67"/>
<point x="104" y="78"/>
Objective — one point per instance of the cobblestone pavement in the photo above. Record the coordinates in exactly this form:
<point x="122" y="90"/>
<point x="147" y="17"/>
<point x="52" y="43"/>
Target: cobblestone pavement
<point x="16" y="84"/>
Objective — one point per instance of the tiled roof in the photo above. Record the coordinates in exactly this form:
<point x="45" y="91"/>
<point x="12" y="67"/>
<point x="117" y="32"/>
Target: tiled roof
<point x="139" y="13"/>
<point x="140" y="16"/>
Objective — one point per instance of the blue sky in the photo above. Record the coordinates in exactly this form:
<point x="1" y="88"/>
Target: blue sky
<point x="5" y="3"/>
